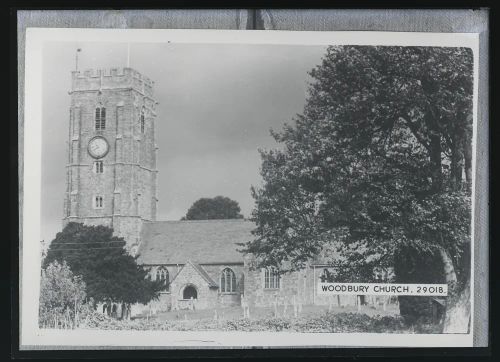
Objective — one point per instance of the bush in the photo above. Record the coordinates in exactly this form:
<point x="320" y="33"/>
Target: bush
<point x="61" y="296"/>
<point x="327" y="323"/>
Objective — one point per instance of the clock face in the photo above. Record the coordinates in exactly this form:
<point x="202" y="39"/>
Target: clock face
<point x="98" y="147"/>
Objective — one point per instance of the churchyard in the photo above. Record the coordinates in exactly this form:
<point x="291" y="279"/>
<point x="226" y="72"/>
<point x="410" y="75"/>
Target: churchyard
<point x="312" y="319"/>
<point x="360" y="191"/>
<point x="233" y="313"/>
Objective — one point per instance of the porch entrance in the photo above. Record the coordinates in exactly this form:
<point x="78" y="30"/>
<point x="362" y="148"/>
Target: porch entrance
<point x="190" y="292"/>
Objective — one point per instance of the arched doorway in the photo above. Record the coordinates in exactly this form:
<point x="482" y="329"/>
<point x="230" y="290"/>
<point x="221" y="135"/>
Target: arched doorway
<point x="189" y="292"/>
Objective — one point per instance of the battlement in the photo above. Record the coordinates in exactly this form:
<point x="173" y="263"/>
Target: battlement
<point x="114" y="78"/>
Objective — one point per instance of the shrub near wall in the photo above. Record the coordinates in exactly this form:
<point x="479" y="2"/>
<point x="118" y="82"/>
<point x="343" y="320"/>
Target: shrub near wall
<point x="61" y="297"/>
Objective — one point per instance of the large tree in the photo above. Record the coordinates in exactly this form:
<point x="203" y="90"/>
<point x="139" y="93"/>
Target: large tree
<point x="377" y="165"/>
<point x="219" y="207"/>
<point x="108" y="271"/>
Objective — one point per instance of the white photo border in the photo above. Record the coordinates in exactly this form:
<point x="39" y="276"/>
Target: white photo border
<point x="32" y="337"/>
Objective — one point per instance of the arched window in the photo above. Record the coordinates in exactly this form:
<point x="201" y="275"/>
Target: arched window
<point x="162" y="275"/>
<point x="227" y="281"/>
<point x="98" y="167"/>
<point x="98" y="202"/>
<point x="100" y="118"/>
<point x="142" y="121"/>
<point x="271" y="278"/>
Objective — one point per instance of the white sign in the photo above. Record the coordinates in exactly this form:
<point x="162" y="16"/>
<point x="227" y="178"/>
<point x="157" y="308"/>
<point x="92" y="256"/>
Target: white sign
<point x="383" y="289"/>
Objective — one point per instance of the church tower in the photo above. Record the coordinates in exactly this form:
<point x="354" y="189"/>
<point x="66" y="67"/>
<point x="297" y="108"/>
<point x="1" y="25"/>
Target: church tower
<point x="111" y="170"/>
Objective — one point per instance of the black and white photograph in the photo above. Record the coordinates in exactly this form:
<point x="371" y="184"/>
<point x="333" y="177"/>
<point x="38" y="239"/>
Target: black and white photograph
<point x="303" y="188"/>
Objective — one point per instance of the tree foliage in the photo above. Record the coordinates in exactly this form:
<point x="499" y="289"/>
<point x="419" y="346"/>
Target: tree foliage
<point x="379" y="161"/>
<point x="61" y="294"/>
<point x="219" y="207"/>
<point x="108" y="271"/>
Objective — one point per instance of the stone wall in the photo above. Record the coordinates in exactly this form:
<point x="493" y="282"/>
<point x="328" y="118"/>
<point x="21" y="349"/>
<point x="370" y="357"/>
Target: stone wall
<point x="172" y="269"/>
<point x="301" y="285"/>
<point x="164" y="303"/>
<point x="206" y="296"/>
<point x="256" y="295"/>
<point x="128" y="183"/>
<point x="96" y="79"/>
<point x="214" y="271"/>
<point x="227" y="299"/>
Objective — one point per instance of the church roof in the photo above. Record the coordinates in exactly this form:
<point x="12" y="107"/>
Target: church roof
<point x="201" y="241"/>
<point x="203" y="273"/>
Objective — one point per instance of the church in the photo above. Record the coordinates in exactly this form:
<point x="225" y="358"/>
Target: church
<point x="112" y="180"/>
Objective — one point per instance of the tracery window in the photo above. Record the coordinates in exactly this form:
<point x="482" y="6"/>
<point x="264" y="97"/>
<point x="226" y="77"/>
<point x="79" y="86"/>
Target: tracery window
<point x="162" y="275"/>
<point x="98" y="202"/>
<point x="100" y="118"/>
<point x="99" y="167"/>
<point x="143" y="121"/>
<point x="227" y="281"/>
<point x="271" y="278"/>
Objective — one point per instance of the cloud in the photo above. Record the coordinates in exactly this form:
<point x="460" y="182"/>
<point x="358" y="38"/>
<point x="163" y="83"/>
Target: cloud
<point x="216" y="105"/>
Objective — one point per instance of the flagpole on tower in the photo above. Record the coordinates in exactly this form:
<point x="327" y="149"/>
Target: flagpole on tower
<point x="76" y="58"/>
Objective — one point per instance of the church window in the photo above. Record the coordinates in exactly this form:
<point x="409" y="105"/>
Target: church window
<point x="162" y="275"/>
<point x="100" y="118"/>
<point x="143" y="121"/>
<point x="227" y="281"/>
<point x="271" y="278"/>
<point x="99" y="167"/>
<point x="98" y="202"/>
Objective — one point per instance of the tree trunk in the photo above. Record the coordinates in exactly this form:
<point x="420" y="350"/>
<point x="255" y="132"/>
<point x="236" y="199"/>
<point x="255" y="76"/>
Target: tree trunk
<point x="435" y="158"/>
<point x="457" y="160"/>
<point x="467" y="150"/>
<point x="457" y="313"/>
<point x="449" y="271"/>
<point x="457" y="317"/>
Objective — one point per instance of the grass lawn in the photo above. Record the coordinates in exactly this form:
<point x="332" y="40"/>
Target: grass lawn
<point x="231" y="313"/>
<point x="313" y="319"/>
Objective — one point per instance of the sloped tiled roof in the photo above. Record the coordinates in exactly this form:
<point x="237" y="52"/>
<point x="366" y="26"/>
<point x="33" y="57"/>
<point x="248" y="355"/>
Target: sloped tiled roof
<point x="203" y="273"/>
<point x="202" y="242"/>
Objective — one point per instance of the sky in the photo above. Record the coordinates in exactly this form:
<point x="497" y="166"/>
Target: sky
<point x="217" y="103"/>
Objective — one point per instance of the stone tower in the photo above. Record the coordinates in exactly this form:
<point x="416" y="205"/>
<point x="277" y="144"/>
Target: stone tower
<point x="111" y="171"/>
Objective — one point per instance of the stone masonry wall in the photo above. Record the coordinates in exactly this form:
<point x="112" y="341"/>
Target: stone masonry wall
<point x="301" y="284"/>
<point x="227" y="299"/>
<point x="171" y="268"/>
<point x="207" y="297"/>
<point x="256" y="295"/>
<point x="214" y="271"/>
<point x="128" y="183"/>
